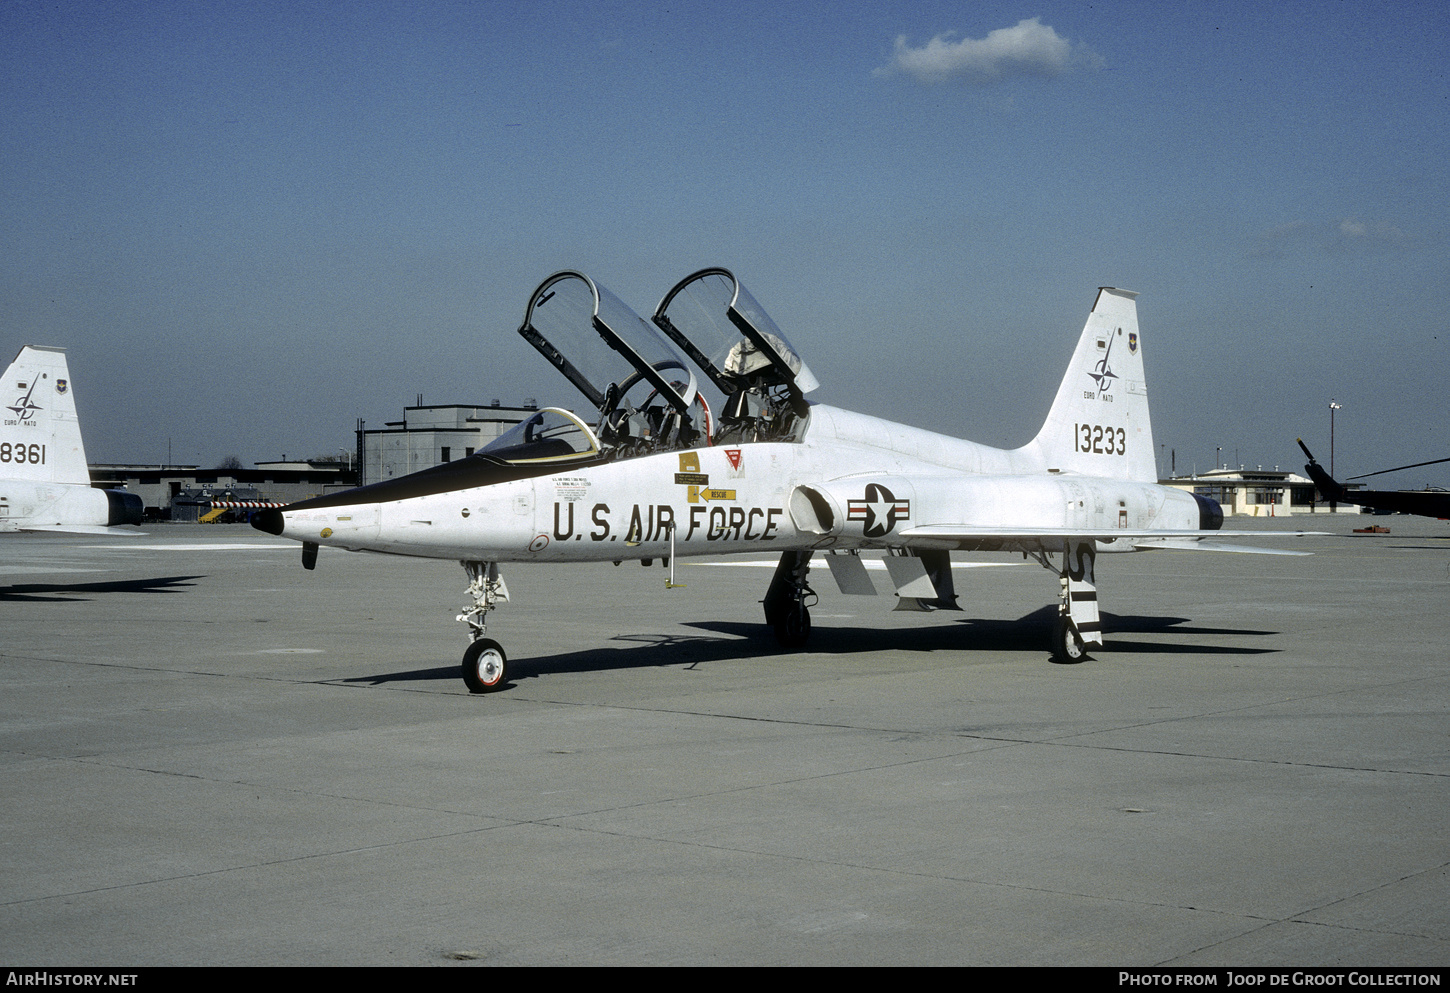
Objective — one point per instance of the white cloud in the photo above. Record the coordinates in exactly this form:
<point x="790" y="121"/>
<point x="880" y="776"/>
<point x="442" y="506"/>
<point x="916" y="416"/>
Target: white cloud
<point x="1378" y="231"/>
<point x="1348" y="235"/>
<point x="1029" y="49"/>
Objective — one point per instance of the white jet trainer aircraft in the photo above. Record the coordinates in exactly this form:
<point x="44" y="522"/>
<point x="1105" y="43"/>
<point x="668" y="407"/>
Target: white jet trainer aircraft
<point x="45" y="484"/>
<point x="657" y="471"/>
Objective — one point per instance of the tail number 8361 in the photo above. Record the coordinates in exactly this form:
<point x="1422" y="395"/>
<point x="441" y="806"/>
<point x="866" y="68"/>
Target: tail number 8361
<point x="1099" y="439"/>
<point x="22" y="453"/>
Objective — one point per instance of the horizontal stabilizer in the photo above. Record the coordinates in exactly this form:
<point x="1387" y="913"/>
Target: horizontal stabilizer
<point x="98" y="529"/>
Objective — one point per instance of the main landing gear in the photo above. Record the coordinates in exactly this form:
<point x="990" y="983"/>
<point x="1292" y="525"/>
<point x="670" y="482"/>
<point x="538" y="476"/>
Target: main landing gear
<point x="789" y="599"/>
<point x="1078" y="624"/>
<point x="485" y="666"/>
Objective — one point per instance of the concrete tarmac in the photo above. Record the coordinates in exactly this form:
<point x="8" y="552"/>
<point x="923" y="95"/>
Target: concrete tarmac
<point x="211" y="757"/>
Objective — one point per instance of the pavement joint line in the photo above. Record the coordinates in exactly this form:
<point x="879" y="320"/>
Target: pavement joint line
<point x="1232" y="758"/>
<point x="1299" y="918"/>
<point x="265" y="863"/>
<point x="646" y="838"/>
<point x="273" y="787"/>
<point x="1267" y="921"/>
<point x="546" y="821"/>
<point x="1352" y="896"/>
<point x="1061" y="742"/>
<point x="557" y="819"/>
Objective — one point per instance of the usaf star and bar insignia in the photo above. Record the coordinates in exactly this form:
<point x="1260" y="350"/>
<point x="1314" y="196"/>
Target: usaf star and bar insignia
<point x="879" y="511"/>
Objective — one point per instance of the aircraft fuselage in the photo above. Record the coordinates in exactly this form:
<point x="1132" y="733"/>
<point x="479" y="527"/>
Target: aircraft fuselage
<point x="852" y="482"/>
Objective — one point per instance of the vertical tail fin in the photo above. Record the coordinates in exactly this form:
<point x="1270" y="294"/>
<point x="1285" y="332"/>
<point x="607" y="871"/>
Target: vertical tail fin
<point x="1098" y="424"/>
<point x="40" y="437"/>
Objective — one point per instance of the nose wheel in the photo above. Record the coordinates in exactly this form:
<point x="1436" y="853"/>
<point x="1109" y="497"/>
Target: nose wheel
<point x="485" y="666"/>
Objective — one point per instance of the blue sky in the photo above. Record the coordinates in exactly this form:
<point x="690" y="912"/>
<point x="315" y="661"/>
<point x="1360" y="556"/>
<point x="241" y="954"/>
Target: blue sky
<point x="252" y="223"/>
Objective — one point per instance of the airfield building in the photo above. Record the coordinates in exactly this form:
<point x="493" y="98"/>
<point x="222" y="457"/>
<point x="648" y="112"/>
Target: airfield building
<point x="429" y="436"/>
<point x="1245" y="492"/>
<point x="182" y="492"/>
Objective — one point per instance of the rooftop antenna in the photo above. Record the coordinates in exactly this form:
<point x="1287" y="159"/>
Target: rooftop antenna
<point x="1333" y="406"/>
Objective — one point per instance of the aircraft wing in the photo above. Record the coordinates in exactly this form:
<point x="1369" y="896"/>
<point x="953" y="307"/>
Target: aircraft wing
<point x="1208" y="545"/>
<point x="1188" y="541"/>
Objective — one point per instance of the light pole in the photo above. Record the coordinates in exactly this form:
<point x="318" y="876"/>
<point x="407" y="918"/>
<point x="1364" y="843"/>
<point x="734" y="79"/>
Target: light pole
<point x="1333" y="406"/>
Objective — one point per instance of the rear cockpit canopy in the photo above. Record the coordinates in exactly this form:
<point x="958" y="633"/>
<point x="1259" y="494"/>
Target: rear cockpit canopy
<point x="715" y="321"/>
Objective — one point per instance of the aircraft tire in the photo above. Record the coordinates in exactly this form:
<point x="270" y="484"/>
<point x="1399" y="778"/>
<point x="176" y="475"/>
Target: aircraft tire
<point x="793" y="629"/>
<point x="485" y="667"/>
<point x="1068" y="647"/>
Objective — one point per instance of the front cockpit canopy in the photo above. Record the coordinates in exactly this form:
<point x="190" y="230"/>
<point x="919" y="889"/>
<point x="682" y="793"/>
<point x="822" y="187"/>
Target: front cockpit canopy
<point x="604" y="348"/>
<point x="642" y="388"/>
<point x="551" y="435"/>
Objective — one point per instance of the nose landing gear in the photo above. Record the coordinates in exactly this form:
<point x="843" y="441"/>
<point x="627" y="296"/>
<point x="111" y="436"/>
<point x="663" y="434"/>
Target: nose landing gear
<point x="485" y="666"/>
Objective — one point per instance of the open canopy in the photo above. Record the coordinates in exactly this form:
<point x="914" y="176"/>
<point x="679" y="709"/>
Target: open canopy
<point x="715" y="320"/>
<point x="602" y="347"/>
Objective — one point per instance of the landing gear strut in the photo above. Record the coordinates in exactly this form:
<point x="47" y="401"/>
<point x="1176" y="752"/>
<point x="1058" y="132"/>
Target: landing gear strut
<point x="1078" y="624"/>
<point x="789" y="599"/>
<point x="485" y="666"/>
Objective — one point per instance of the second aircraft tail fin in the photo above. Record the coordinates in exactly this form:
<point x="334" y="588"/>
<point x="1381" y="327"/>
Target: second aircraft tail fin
<point x="40" y="437"/>
<point x="1098" y="424"/>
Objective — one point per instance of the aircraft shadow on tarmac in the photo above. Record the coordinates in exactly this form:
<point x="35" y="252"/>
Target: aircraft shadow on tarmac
<point x="745" y="640"/>
<point x="83" y="592"/>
